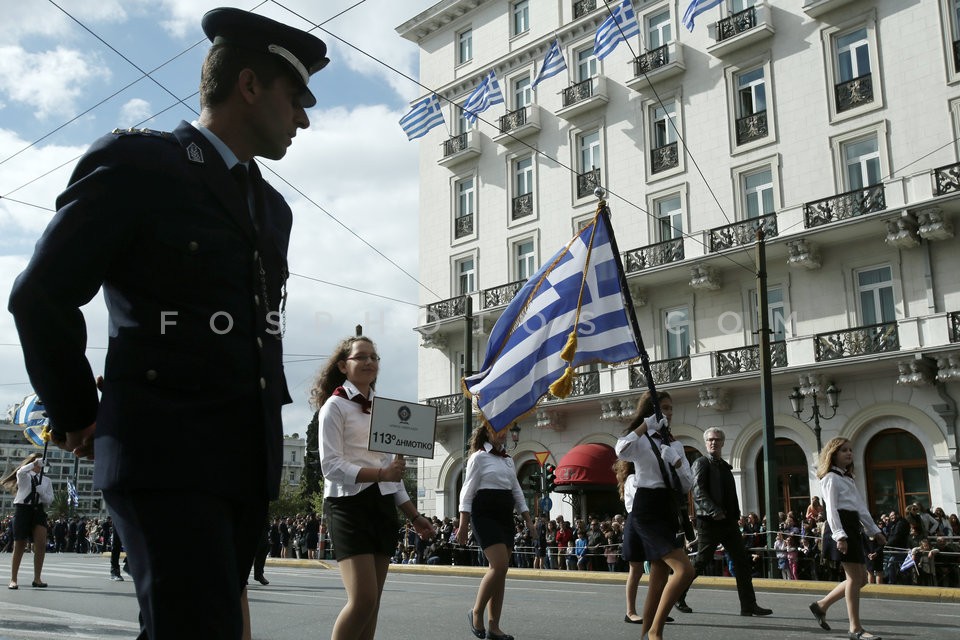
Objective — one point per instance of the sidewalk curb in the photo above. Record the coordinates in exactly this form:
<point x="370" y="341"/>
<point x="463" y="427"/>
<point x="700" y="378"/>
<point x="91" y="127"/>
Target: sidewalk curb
<point x="893" y="591"/>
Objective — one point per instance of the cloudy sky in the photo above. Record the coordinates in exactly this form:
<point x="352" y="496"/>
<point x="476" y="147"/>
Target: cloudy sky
<point x="72" y="70"/>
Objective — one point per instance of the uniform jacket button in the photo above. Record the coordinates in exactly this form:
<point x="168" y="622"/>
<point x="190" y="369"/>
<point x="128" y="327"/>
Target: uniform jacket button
<point x="263" y="383"/>
<point x="256" y="254"/>
<point x="259" y="342"/>
<point x="256" y="299"/>
<point x="193" y="246"/>
<point x="151" y="374"/>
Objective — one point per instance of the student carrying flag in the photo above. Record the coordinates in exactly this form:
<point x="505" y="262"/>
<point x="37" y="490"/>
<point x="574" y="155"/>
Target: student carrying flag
<point x="424" y="116"/>
<point x="621" y="24"/>
<point x="572" y="312"/>
<point x="483" y="97"/>
<point x="553" y="63"/>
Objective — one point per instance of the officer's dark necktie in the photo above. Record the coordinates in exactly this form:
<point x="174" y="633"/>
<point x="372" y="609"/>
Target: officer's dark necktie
<point x="242" y="176"/>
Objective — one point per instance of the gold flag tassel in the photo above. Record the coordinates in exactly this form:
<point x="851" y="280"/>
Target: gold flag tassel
<point x="562" y="386"/>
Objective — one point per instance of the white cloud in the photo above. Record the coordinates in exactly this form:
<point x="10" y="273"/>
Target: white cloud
<point x="51" y="81"/>
<point x="134" y="113"/>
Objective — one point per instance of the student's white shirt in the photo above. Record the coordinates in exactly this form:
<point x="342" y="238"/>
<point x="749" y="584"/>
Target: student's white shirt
<point x="486" y="470"/>
<point x="637" y="450"/>
<point x="344" y="438"/>
<point x="841" y="494"/>
<point x="25" y="475"/>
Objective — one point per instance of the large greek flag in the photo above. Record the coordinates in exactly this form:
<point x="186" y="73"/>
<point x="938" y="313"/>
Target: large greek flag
<point x="30" y="412"/>
<point x="553" y="63"/>
<point x="695" y="8"/>
<point x="424" y="115"/>
<point x="483" y="97"/>
<point x="570" y="313"/>
<point x="621" y="24"/>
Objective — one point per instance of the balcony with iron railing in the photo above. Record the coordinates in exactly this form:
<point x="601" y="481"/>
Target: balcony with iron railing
<point x="446" y="309"/>
<point x="521" y="206"/>
<point x="664" y="157"/>
<point x="583" y="7"/>
<point x="956" y="55"/>
<point x="653" y="255"/>
<point x="851" y="204"/>
<point x="858" y="341"/>
<point x="655" y="65"/>
<point x="663" y="371"/>
<point x="743" y="232"/>
<point x="946" y="179"/>
<point x="752" y="127"/>
<point x="583" y="96"/>
<point x="587" y="182"/>
<point x="854" y="93"/>
<point x="954" y="323"/>
<point x="463" y="226"/>
<point x="741" y="29"/>
<point x="518" y="124"/>
<point x="500" y="296"/>
<point x="460" y="148"/>
<point x="746" y="359"/>
<point x="448" y="405"/>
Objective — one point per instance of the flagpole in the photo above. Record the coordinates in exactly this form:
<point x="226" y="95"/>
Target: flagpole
<point x="468" y="362"/>
<point x="604" y="211"/>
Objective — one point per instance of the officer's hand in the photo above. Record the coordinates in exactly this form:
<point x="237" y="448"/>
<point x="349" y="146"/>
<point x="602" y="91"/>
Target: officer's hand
<point x="80" y="442"/>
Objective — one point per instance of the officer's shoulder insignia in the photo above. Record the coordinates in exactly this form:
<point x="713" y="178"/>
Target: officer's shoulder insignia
<point x="194" y="153"/>
<point x="132" y="131"/>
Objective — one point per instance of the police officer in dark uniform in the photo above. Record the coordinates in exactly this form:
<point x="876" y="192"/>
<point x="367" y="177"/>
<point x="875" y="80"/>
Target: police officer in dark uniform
<point x="189" y="244"/>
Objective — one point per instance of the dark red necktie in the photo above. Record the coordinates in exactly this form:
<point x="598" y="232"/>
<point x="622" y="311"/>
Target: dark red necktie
<point x="359" y="399"/>
<point x="499" y="452"/>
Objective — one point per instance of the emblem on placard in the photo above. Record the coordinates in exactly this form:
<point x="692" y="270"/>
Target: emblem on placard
<point x="194" y="154"/>
<point x="404" y="414"/>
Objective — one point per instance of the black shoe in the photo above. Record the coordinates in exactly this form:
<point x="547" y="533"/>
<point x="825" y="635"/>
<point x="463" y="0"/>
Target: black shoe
<point x="683" y="608"/>
<point x="479" y="633"/>
<point x="820" y="615"/>
<point x="116" y="577"/>
<point x="494" y="636"/>
<point x="261" y="580"/>
<point x="630" y="620"/>
<point x="755" y="610"/>
<point x="38" y="585"/>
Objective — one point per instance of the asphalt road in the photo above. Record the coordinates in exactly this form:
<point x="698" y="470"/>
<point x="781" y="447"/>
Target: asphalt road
<point x="302" y="602"/>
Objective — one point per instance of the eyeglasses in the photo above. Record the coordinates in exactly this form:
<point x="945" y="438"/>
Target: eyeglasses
<point x="714" y="439"/>
<point x="373" y="358"/>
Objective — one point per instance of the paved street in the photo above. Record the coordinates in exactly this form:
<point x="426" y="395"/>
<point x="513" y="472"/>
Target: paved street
<point x="301" y="602"/>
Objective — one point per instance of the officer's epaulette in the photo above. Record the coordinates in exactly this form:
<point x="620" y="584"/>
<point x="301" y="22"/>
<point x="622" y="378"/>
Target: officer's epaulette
<point x="143" y="132"/>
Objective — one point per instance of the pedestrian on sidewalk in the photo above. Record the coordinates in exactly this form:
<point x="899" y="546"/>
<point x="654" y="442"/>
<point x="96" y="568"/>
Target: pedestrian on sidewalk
<point x="848" y="520"/>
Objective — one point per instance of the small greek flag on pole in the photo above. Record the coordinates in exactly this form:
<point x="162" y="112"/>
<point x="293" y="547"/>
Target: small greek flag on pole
<point x="553" y="63"/>
<point x="695" y="8"/>
<point x="483" y="97"/>
<point x="72" y="497"/>
<point x="621" y="24"/>
<point x="424" y="116"/>
<point x="572" y="312"/>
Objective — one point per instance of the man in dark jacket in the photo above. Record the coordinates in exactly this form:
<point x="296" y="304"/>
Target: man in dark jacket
<point x="189" y="245"/>
<point x="897" y="532"/>
<point x="718" y="513"/>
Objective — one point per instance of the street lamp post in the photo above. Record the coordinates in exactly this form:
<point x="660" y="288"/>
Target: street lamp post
<point x="515" y="435"/>
<point x="816" y="413"/>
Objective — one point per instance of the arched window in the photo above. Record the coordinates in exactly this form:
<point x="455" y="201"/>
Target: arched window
<point x="896" y="472"/>
<point x="793" y="479"/>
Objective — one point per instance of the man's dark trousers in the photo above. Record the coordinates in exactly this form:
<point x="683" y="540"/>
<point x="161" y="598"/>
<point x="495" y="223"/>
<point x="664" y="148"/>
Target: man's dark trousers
<point x="710" y="533"/>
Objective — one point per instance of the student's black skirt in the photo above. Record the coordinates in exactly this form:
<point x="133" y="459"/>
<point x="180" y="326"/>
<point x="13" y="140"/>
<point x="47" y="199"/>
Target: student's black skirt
<point x="26" y="517"/>
<point x="364" y="523"/>
<point x="855" y="547"/>
<point x="492" y="517"/>
<point x="632" y="548"/>
<point x="655" y="522"/>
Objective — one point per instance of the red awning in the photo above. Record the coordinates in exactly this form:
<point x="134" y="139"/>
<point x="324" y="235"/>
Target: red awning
<point x="588" y="464"/>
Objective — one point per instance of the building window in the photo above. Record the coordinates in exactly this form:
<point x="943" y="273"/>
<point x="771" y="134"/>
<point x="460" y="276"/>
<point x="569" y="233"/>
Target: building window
<point x="590" y="161"/>
<point x="586" y="64"/>
<point x="776" y="314"/>
<point x="854" y="86"/>
<point x="465" y="46"/>
<point x="875" y="293"/>
<point x="897" y="472"/>
<point x="522" y="93"/>
<point x="464" y="222"/>
<point x="659" y="30"/>
<point x="793" y="476"/>
<point x="466" y="276"/>
<point x="293" y="455"/>
<point x="521" y="17"/>
<point x="663" y="136"/>
<point x="736" y="6"/>
<point x="522" y="205"/>
<point x="676" y="324"/>
<point x="751" y="105"/>
<point x="758" y="193"/>
<point x="861" y="163"/>
<point x="525" y="259"/>
<point x="669" y="218"/>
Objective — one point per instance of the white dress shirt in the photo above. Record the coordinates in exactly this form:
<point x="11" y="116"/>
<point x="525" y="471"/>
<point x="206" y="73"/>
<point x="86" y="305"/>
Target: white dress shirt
<point x="25" y="475"/>
<point x="486" y="470"/>
<point x="841" y="494"/>
<point x="344" y="438"/>
<point x="637" y="450"/>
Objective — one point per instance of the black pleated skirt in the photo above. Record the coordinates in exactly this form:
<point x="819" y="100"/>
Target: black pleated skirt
<point x="492" y="517"/>
<point x="632" y="548"/>
<point x="364" y="523"/>
<point x="855" y="544"/>
<point x="655" y="522"/>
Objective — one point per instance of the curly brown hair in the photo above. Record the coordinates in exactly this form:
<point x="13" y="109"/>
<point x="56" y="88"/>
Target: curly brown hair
<point x="330" y="376"/>
<point x="622" y="469"/>
<point x="826" y="456"/>
<point x="9" y="481"/>
<point x="479" y="437"/>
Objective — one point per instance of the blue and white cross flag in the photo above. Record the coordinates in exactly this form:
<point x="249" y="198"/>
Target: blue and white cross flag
<point x="620" y="25"/>
<point x="553" y="63"/>
<point x="483" y="97"/>
<point x="424" y="116"/>
<point x="30" y="412"/>
<point x="695" y="8"/>
<point x="572" y="312"/>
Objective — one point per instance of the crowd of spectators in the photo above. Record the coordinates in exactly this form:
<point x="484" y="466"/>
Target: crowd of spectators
<point x="66" y="535"/>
